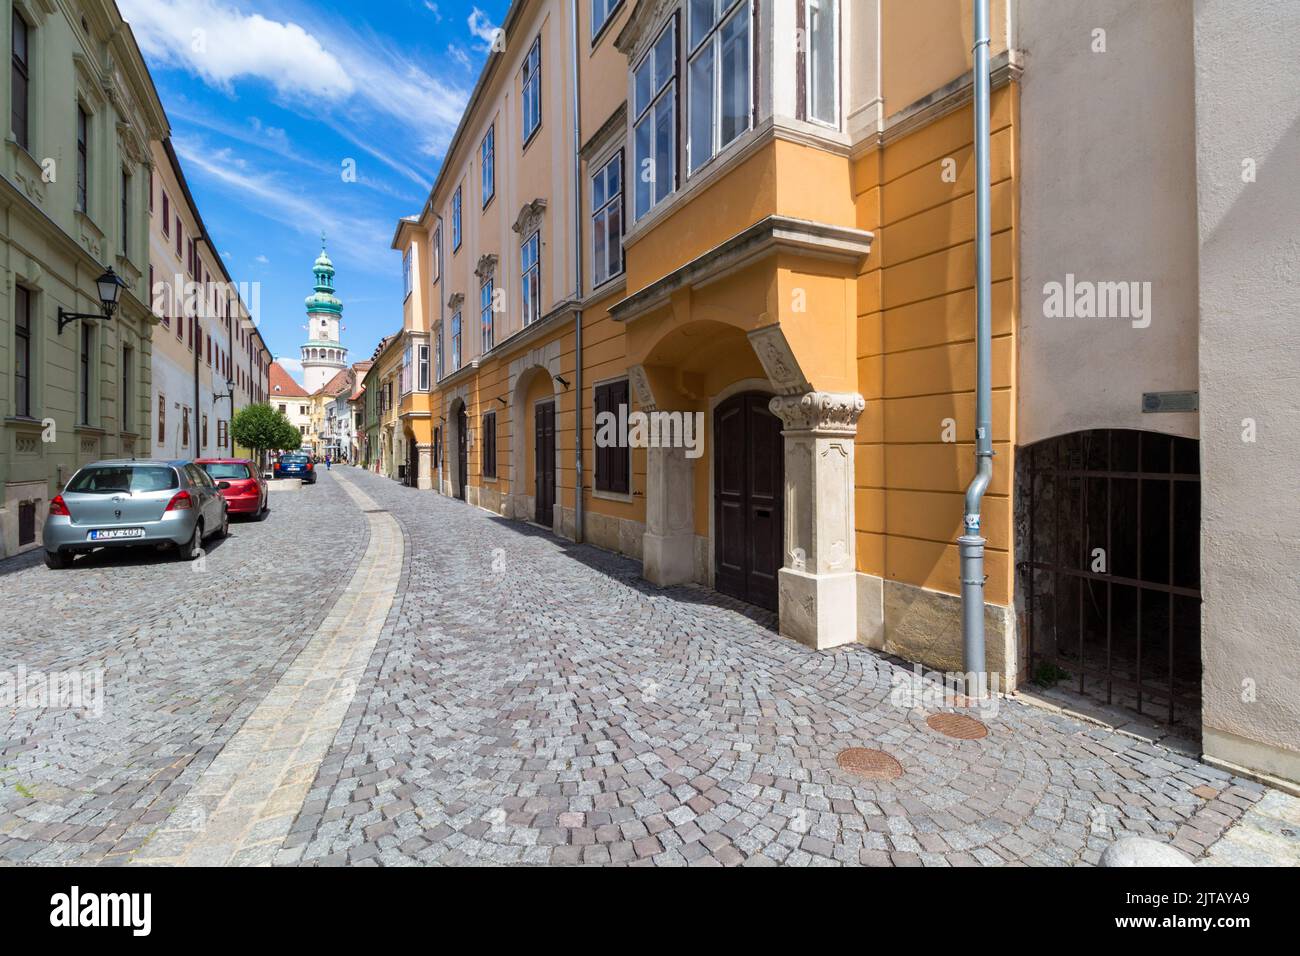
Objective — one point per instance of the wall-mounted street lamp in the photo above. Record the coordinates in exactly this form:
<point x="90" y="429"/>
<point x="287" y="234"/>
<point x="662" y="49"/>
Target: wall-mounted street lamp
<point x="110" y="286"/>
<point x="563" y="381"/>
<point x="230" y="394"/>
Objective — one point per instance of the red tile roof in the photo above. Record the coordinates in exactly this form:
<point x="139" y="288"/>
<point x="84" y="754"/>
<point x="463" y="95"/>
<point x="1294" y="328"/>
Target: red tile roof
<point x="282" y="383"/>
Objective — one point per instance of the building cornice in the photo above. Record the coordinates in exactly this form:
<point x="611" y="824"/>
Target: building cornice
<point x="769" y="235"/>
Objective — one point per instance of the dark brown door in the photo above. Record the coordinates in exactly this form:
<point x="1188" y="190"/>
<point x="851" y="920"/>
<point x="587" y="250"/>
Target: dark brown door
<point x="544" y="463"/>
<point x="412" y="464"/>
<point x="749" y="480"/>
<point x="462" y="453"/>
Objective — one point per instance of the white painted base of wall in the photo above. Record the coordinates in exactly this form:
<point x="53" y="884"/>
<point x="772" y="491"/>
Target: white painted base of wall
<point x="1263" y="762"/>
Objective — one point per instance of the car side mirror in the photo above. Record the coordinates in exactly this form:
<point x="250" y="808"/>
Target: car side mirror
<point x="223" y="485"/>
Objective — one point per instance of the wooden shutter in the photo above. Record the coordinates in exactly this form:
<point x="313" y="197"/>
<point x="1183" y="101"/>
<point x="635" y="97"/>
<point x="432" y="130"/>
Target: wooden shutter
<point x="620" y="458"/>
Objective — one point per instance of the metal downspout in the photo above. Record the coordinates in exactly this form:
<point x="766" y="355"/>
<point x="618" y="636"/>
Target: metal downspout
<point x="971" y="544"/>
<point x="578" y="512"/>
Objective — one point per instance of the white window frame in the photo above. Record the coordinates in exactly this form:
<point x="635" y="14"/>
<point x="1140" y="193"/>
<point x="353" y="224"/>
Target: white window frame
<point x="406" y="274"/>
<point x="438" y="358"/>
<point x="437" y="255"/>
<point x="422" y="383"/>
<point x="834" y="6"/>
<point x="455" y="341"/>
<point x="530" y="278"/>
<point x="618" y="199"/>
<point x="530" y="97"/>
<point x="457" y="206"/>
<point x="713" y="39"/>
<point x="669" y="92"/>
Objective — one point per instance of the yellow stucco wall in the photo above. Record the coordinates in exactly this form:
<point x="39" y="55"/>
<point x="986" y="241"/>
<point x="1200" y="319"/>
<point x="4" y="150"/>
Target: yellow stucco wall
<point x="916" y="351"/>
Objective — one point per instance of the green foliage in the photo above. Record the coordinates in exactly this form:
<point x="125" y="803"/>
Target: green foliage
<point x="1048" y="674"/>
<point x="262" y="428"/>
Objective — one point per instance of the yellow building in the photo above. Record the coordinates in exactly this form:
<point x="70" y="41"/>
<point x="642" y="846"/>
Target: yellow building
<point x="707" y="297"/>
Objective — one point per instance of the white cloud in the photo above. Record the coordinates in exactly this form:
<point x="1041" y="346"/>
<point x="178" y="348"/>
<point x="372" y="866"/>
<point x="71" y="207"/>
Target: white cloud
<point x="291" y="365"/>
<point x="221" y="44"/>
<point x="262" y="260"/>
<point x="433" y="8"/>
<point x="459" y="55"/>
<point x="480" y="24"/>
<point x="347" y="79"/>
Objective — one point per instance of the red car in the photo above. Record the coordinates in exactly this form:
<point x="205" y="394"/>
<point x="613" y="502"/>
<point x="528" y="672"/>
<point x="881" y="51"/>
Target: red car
<point x="247" y="493"/>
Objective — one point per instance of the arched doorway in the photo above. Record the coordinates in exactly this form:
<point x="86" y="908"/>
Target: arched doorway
<point x="1108" y="542"/>
<point x="462" y="451"/>
<point x="748" y="494"/>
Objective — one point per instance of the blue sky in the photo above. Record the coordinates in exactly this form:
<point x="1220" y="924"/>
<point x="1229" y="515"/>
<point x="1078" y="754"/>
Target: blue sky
<point x="269" y="100"/>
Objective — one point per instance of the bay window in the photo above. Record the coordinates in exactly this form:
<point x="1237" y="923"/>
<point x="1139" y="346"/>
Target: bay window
<point x="821" y="77"/>
<point x="654" y="99"/>
<point x="720" y="80"/>
<point x="607" y="219"/>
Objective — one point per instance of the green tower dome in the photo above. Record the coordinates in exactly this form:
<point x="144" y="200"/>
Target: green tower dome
<point x="324" y="299"/>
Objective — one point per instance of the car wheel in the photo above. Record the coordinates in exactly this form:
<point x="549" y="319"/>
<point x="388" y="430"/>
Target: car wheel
<point x="58" y="560"/>
<point x="265" y="509"/>
<point x="224" y="531"/>
<point x="193" y="550"/>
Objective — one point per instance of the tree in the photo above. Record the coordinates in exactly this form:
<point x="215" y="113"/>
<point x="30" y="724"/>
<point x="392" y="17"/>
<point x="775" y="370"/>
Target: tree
<point x="262" y="428"/>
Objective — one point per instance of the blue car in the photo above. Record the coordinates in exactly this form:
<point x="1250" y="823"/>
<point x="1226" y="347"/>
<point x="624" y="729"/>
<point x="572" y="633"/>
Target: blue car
<point x="295" y="466"/>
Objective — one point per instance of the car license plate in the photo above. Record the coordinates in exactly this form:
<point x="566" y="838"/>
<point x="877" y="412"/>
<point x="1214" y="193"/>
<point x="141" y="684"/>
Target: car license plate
<point x="116" y="533"/>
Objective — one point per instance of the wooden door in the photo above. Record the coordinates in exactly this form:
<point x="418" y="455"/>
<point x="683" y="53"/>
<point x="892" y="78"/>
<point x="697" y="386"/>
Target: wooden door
<point x="544" y="463"/>
<point x="748" y="490"/>
<point x="462" y="453"/>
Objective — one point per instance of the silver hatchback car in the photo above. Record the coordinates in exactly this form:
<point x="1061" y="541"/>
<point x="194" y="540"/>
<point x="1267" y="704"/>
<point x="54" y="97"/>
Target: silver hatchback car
<point x="116" y="504"/>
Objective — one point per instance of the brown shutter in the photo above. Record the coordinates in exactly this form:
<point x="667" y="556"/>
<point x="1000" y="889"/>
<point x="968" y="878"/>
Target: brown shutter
<point x="620" y="464"/>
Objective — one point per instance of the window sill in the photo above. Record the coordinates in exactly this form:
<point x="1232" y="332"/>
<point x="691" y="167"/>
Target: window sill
<point x="613" y="496"/>
<point x="24" y="423"/>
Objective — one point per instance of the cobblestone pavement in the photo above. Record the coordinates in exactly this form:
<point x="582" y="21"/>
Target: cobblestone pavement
<point x="186" y="655"/>
<point x="524" y="701"/>
<point x="533" y="701"/>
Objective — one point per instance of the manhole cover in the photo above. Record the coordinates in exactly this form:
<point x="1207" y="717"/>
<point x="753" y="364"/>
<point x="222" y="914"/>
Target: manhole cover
<point x="957" y="726"/>
<point x="869" y="764"/>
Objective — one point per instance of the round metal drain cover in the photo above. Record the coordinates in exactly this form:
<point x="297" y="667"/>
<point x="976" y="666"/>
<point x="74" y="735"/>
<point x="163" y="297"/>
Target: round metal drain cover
<point x="869" y="764"/>
<point x="957" y="726"/>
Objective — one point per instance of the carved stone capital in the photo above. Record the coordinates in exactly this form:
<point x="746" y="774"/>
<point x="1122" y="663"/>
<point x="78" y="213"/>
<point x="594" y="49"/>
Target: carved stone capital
<point x="827" y="413"/>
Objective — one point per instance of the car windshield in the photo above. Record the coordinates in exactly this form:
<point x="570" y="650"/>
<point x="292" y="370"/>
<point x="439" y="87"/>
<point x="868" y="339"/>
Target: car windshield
<point x="120" y="479"/>
<point x="226" y="471"/>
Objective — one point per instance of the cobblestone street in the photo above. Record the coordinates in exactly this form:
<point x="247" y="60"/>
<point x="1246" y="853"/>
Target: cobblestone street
<point x="525" y="701"/>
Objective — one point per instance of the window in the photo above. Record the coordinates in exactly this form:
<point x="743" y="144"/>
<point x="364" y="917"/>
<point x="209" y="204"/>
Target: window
<point x="601" y="11"/>
<point x="21" y="85"/>
<point x="205" y="431"/>
<point x="437" y="351"/>
<point x="532" y="278"/>
<point x="424" y="368"/>
<point x="719" y="78"/>
<point x="654" y="97"/>
<point x="607" y="219"/>
<point x="126" y="214"/>
<point x="222" y="432"/>
<point x="455" y="220"/>
<point x="406" y="274"/>
<point x="487" y="164"/>
<point x="490" y="445"/>
<point x="128" y="370"/>
<point x="178" y="235"/>
<point x="407" y="371"/>
<point x="613" y="460"/>
<point x="167" y="214"/>
<point x="22" y="352"/>
<point x="87" y="343"/>
<point x="821" y="76"/>
<point x="532" y="90"/>
<point x="185" y="427"/>
<point x="162" y="419"/>
<point x="83" y="159"/>
<point x="455" y="342"/>
<point x="485" y="313"/>
<point x="437" y="254"/>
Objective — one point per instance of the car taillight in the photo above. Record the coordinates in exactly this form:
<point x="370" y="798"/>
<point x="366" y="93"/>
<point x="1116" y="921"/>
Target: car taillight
<point x="180" y="502"/>
<point x="309" y="466"/>
<point x="59" y="507"/>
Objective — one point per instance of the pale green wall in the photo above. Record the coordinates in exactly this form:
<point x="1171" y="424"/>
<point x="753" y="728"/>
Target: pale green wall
<point x="57" y="252"/>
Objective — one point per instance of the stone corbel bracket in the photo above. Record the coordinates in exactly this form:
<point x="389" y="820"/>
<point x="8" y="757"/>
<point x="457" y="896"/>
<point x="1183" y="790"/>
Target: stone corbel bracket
<point x="487" y="266"/>
<point x="778" y="361"/>
<point x="456" y="301"/>
<point x="530" y="217"/>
